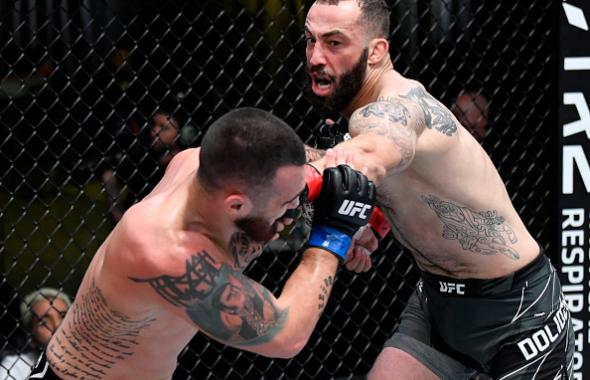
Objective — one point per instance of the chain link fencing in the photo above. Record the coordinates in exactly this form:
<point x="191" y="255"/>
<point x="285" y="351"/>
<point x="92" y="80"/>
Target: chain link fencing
<point x="83" y="83"/>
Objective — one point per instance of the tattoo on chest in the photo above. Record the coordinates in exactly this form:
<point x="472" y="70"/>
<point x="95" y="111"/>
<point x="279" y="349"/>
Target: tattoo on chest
<point x="221" y="301"/>
<point x="325" y="292"/>
<point x="244" y="250"/>
<point x="483" y="232"/>
<point x="95" y="339"/>
<point x="436" y="115"/>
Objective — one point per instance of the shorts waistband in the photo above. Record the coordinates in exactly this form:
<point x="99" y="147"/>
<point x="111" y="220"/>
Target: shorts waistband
<point x="476" y="288"/>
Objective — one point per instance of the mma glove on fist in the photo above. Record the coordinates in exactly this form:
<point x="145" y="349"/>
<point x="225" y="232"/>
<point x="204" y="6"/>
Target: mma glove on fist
<point x="345" y="204"/>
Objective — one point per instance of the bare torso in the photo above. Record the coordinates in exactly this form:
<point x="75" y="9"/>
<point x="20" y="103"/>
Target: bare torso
<point x="115" y="330"/>
<point x="449" y="207"/>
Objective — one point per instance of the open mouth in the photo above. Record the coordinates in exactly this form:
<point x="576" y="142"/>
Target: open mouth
<point x="322" y="85"/>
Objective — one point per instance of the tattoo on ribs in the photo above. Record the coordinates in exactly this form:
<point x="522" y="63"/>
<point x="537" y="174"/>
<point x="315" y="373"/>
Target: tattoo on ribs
<point x="436" y="116"/>
<point x="221" y="301"/>
<point x="95" y="339"/>
<point x="390" y="119"/>
<point x="325" y="292"/>
<point x="482" y="232"/>
<point x="244" y="250"/>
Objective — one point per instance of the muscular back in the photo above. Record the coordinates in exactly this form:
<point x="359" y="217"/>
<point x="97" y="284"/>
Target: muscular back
<point x="444" y="198"/>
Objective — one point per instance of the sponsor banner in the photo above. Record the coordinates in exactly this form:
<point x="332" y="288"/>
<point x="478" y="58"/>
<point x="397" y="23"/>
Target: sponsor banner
<point x="574" y="192"/>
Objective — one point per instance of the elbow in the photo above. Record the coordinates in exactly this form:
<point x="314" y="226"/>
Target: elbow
<point x="289" y="350"/>
<point x="287" y="347"/>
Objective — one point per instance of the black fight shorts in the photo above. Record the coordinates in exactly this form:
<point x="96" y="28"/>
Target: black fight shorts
<point x="42" y="370"/>
<point x="511" y="328"/>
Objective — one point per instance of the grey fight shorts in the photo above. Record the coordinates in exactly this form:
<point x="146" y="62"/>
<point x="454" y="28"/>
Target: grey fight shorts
<point x="514" y="327"/>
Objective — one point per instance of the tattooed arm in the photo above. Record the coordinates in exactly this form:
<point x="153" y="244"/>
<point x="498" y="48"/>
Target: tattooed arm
<point x="237" y="311"/>
<point x="313" y="154"/>
<point x="384" y="136"/>
<point x="386" y="133"/>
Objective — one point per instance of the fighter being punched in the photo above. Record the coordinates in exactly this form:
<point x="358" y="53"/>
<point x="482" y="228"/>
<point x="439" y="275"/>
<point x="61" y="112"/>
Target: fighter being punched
<point x="173" y="265"/>
<point x="482" y="272"/>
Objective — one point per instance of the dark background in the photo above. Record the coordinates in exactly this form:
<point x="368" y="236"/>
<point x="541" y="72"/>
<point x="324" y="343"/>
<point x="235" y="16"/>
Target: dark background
<point x="65" y="109"/>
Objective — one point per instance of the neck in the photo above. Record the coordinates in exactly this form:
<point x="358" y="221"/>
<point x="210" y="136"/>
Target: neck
<point x="203" y="214"/>
<point x="372" y="86"/>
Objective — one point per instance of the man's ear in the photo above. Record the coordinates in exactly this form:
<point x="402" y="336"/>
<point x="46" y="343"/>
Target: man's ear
<point x="238" y="205"/>
<point x="378" y="50"/>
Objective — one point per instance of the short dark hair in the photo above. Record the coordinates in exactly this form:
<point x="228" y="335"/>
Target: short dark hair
<point x="245" y="147"/>
<point x="375" y="15"/>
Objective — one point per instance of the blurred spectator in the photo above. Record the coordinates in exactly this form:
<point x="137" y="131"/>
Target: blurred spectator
<point x="119" y="65"/>
<point x="472" y="110"/>
<point x="132" y="174"/>
<point x="42" y="311"/>
<point x="23" y="71"/>
<point x="165" y="137"/>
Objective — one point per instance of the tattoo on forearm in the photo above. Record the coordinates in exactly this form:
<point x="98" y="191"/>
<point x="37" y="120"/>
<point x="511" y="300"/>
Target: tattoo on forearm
<point x="244" y="250"/>
<point x="95" y="339"/>
<point x="390" y="119"/>
<point x="313" y="154"/>
<point x="325" y="292"/>
<point x="436" y="115"/>
<point x="222" y="301"/>
<point x="482" y="232"/>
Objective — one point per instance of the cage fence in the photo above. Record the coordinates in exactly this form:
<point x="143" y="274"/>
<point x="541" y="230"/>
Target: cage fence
<point x="83" y="83"/>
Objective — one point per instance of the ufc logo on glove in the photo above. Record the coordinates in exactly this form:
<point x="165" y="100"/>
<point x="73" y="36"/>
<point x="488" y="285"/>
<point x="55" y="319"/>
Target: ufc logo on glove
<point x="350" y="208"/>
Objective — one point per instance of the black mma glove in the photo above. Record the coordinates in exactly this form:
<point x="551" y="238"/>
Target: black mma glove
<point x="345" y="204"/>
<point x="329" y="135"/>
<point x="378" y="223"/>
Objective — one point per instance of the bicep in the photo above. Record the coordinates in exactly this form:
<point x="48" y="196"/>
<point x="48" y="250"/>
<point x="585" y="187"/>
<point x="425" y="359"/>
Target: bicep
<point x="240" y="312"/>
<point x="385" y="133"/>
<point x="220" y="302"/>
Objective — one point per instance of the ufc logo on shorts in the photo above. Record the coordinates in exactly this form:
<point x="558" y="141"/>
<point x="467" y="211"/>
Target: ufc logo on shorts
<point x="351" y="208"/>
<point x="452" y="288"/>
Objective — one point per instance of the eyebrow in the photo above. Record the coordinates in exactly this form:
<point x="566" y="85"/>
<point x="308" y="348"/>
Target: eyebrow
<point x="328" y="34"/>
<point x="295" y="197"/>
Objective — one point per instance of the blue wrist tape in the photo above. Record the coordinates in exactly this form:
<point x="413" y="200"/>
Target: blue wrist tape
<point x="331" y="240"/>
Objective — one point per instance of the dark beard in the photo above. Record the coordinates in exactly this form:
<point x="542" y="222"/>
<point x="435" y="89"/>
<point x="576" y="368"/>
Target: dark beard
<point x="257" y="228"/>
<point x="345" y="90"/>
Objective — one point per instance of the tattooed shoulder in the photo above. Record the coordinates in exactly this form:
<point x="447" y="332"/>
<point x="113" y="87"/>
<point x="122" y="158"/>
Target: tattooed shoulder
<point x="221" y="301"/>
<point x="435" y="115"/>
<point x="391" y="109"/>
<point x="313" y="154"/>
<point x="391" y="119"/>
